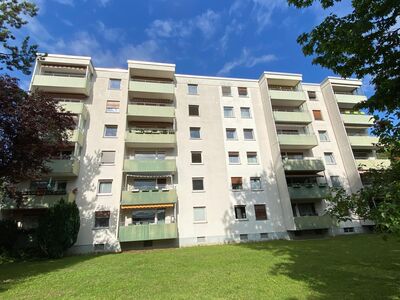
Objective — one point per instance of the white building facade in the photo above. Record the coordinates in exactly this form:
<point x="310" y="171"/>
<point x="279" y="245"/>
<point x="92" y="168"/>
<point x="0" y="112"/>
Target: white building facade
<point x="160" y="159"/>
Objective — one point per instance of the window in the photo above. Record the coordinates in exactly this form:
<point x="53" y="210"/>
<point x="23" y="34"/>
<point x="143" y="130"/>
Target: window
<point x="245" y="112"/>
<point x="317" y="115"/>
<point x="198" y="184"/>
<point x="199" y="214"/>
<point x="303" y="209"/>
<point x="234" y="158"/>
<point x="114" y="84"/>
<point x="312" y="95"/>
<point x="98" y="247"/>
<point x="110" y="130"/>
<point x="196" y="157"/>
<point x="244" y="237"/>
<point x="194" y="132"/>
<point x="192" y="89"/>
<point x="242" y="91"/>
<point x="323" y="136"/>
<point x="336" y="181"/>
<point x="252" y="158"/>
<point x="236" y="183"/>
<point x="329" y="158"/>
<point x="194" y="110"/>
<point x="240" y="212"/>
<point x="264" y="235"/>
<point x="228" y="112"/>
<point x="201" y="239"/>
<point x="255" y="183"/>
<point x="231" y="134"/>
<point x="226" y="91"/>
<point x="248" y="134"/>
<point x="107" y="157"/>
<point x="348" y="229"/>
<point x="102" y="219"/>
<point x="261" y="212"/>
<point x="112" y="106"/>
<point x="105" y="187"/>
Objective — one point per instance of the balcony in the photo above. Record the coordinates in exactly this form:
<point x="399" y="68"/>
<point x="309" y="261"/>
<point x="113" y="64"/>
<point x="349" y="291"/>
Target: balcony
<point x="61" y="84"/>
<point x="150" y="137"/>
<point x="77" y="108"/>
<point x="349" y="100"/>
<point x="308" y="191"/>
<point x="314" y="222"/>
<point x="134" y="233"/>
<point x="297" y="141"/>
<point x="304" y="165"/>
<point x="76" y="136"/>
<point x="64" y="167"/>
<point x="150" y="166"/>
<point x="366" y="164"/>
<point x="148" y="197"/>
<point x="295" y="117"/>
<point x="357" y="119"/>
<point x="287" y="98"/>
<point x="150" y="113"/>
<point x="363" y="141"/>
<point x="151" y="89"/>
<point x="36" y="199"/>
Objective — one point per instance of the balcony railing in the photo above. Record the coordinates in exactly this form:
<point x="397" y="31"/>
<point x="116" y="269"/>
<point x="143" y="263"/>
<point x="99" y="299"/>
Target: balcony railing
<point x="293" y="141"/>
<point x="150" y="196"/>
<point x="150" y="165"/>
<point x="148" y="232"/>
<point x="366" y="164"/>
<point x="308" y="191"/>
<point x="314" y="222"/>
<point x="363" y="141"/>
<point x="151" y="88"/>
<point x="61" y="83"/>
<point x="64" y="167"/>
<point x="143" y="112"/>
<point x="151" y="137"/>
<point x="304" y="165"/>
<point x="295" y="117"/>
<point x="40" y="199"/>
<point x="357" y="119"/>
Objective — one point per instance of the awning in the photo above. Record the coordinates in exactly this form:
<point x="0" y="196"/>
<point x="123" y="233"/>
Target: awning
<point x="63" y="67"/>
<point x="236" y="180"/>
<point x="147" y="206"/>
<point x="148" y="176"/>
<point x="303" y="175"/>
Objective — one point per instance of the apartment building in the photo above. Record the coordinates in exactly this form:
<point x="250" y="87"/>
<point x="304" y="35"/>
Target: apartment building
<point x="160" y="159"/>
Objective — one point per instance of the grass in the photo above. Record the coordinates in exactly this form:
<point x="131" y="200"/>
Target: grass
<point x="350" y="267"/>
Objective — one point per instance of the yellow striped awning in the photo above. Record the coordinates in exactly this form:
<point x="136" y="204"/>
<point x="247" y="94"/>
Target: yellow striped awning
<point x="147" y="206"/>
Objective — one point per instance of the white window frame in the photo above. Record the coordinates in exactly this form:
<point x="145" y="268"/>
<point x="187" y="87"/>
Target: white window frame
<point x="100" y="181"/>
<point x="114" y="79"/>
<point x="205" y="215"/>
<point x="189" y="86"/>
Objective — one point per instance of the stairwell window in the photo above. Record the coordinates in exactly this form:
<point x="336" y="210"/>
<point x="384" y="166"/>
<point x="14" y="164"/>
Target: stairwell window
<point x="195" y="133"/>
<point x="114" y="84"/>
<point x="226" y="91"/>
<point x="329" y="158"/>
<point x="335" y="180"/>
<point x="323" y="136"/>
<point x="104" y="187"/>
<point x="192" y="89"/>
<point x="110" y="130"/>
<point x="236" y="183"/>
<point x="240" y="212"/>
<point x="242" y="91"/>
<point x="112" y="106"/>
<point x="198" y="184"/>
<point x="317" y="115"/>
<point x="199" y="214"/>
<point x="196" y="157"/>
<point x="194" y="111"/>
<point x="312" y="95"/>
<point x="102" y="219"/>
<point x="107" y="157"/>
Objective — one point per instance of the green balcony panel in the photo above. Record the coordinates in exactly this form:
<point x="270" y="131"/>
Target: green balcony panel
<point x="61" y="84"/>
<point x="295" y="117"/>
<point x="64" y="167"/>
<point x="149" y="197"/>
<point x="143" y="139"/>
<point x="349" y="101"/>
<point x="297" y="141"/>
<point x="163" y="90"/>
<point x="76" y="136"/>
<point x="153" y="166"/>
<point x="363" y="141"/>
<point x="40" y="201"/>
<point x="366" y="164"/>
<point x="287" y="98"/>
<point x="357" y="119"/>
<point x="308" y="192"/>
<point x="314" y="222"/>
<point x="149" y="112"/>
<point x="134" y="233"/>
<point x="77" y="108"/>
<point x="304" y="165"/>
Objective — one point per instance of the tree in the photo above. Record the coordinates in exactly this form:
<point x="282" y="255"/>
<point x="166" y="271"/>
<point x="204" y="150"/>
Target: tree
<point x="58" y="229"/>
<point x="32" y="128"/>
<point x="12" y="13"/>
<point x="379" y="201"/>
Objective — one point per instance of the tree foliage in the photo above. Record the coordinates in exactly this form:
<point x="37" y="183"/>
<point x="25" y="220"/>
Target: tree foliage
<point x="13" y="15"/>
<point x="58" y="229"/>
<point x="378" y="201"/>
<point x="32" y="128"/>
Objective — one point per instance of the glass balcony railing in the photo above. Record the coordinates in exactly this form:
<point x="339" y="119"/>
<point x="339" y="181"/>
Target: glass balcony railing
<point x="147" y="232"/>
<point x="308" y="191"/>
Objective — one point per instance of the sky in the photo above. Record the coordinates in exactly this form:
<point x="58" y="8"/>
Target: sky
<point x="237" y="38"/>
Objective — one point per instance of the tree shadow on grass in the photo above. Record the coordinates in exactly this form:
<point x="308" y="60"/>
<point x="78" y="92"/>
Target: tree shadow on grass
<point x="14" y="273"/>
<point x="347" y="267"/>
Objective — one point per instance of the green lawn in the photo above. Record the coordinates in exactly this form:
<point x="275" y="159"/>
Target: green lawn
<point x="351" y="267"/>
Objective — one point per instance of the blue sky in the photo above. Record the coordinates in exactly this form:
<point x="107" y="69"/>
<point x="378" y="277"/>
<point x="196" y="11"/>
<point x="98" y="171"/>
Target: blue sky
<point x="240" y="38"/>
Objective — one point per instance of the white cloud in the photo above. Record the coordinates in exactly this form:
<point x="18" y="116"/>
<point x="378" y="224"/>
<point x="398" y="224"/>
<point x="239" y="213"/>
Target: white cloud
<point x="65" y="2"/>
<point x="232" y="28"/>
<point x="110" y="34"/>
<point x="103" y="3"/>
<point x="206" y="23"/>
<point x="245" y="60"/>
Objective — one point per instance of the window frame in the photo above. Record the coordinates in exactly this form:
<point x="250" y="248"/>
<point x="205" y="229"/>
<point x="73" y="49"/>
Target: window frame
<point x="317" y="114"/>
<point x="256" y="156"/>
<point x="232" y="110"/>
<point x="202" y="182"/>
<point x="238" y="157"/>
<point x="107" y="164"/>
<point x="264" y="206"/>
<point x="114" y="80"/>
<point x="201" y="157"/>
<point x="230" y="91"/>
<point x="190" y="133"/>
<point x="192" y="85"/>
<point x="241" y="112"/>
<point x="241" y="206"/>
<point x="105" y="131"/>
<point x="333" y="161"/>
<point x="113" y="112"/>
<point x="232" y="130"/>
<point x="260" y="188"/>
<point x="252" y="133"/>
<point x="240" y="185"/>
<point x="204" y="213"/>
<point x="242" y="88"/>
<point x="101" y="181"/>
<point x="326" y="135"/>
<point x="196" y="107"/>
<point x="102" y="218"/>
